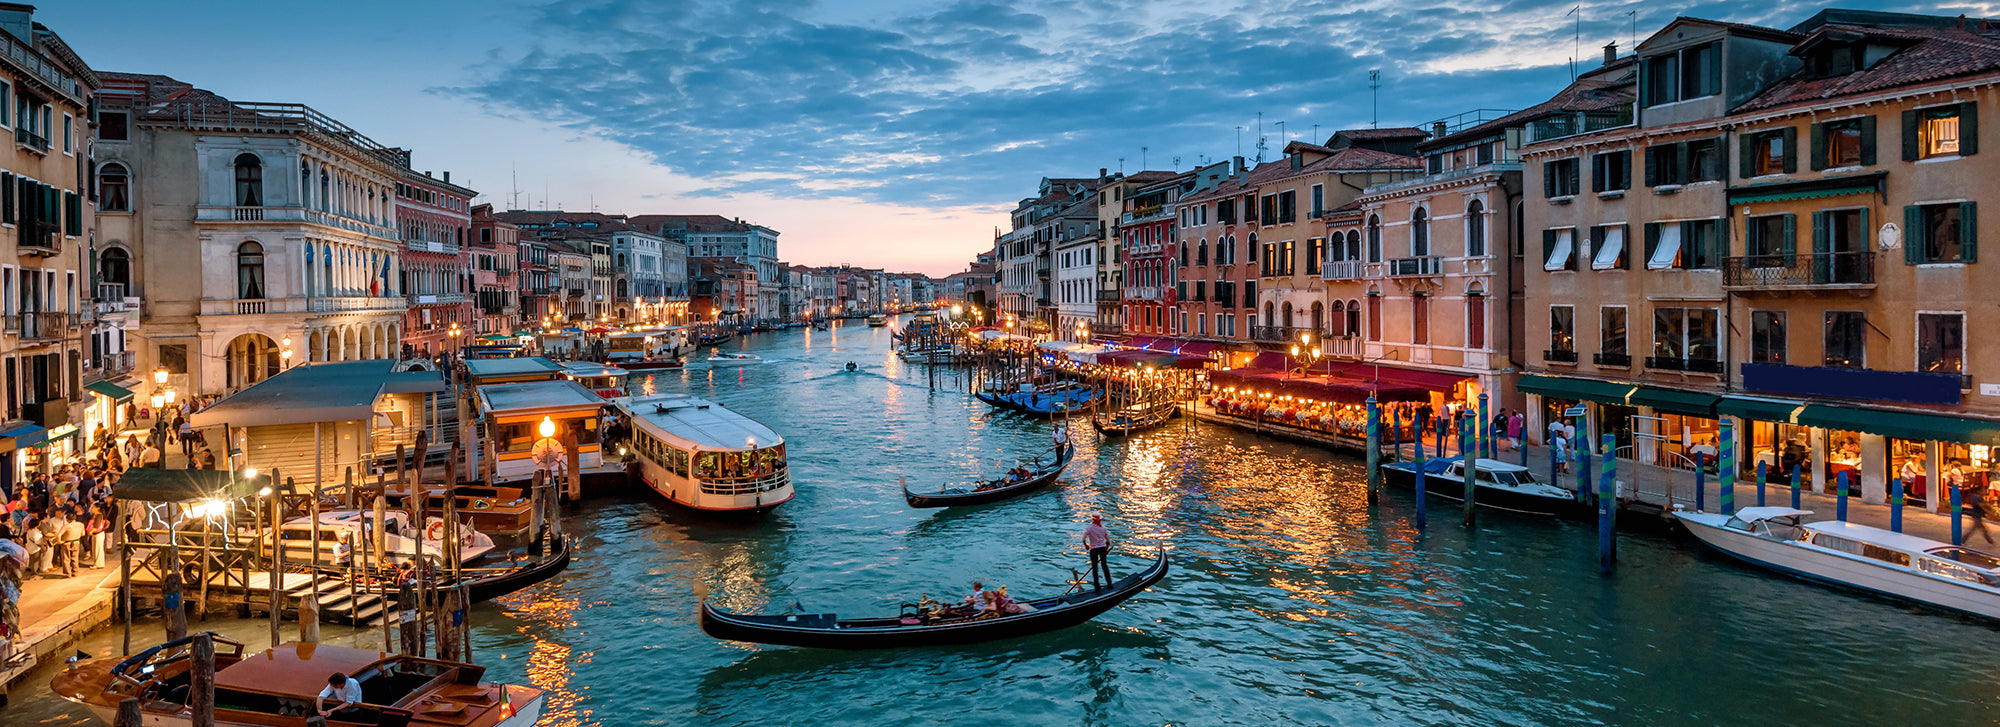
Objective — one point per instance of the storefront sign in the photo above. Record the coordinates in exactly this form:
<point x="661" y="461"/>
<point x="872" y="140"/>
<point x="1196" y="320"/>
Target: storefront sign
<point x="1576" y="411"/>
<point x="1913" y="387"/>
<point x="1989" y="389"/>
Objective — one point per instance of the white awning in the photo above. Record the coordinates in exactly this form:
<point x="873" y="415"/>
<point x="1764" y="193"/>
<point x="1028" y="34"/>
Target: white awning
<point x="1559" y="257"/>
<point x="1668" y="249"/>
<point x="1610" y="250"/>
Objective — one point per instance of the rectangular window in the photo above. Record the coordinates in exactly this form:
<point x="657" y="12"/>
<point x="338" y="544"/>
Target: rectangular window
<point x="1562" y="328"/>
<point x="1560" y="178"/>
<point x="1611" y="331"/>
<point x="6" y="104"/>
<point x="1700" y="71"/>
<point x="1662" y="79"/>
<point x="1767" y="337"/>
<point x="1770" y="241"/>
<point x="173" y="358"/>
<point x="1940" y="233"/>
<point x="1845" y="143"/>
<point x="1315" y="251"/>
<point x="1374" y="318"/>
<point x="1686" y="339"/>
<point x="1288" y="258"/>
<point x="1611" y="171"/>
<point x="1609" y="243"/>
<point x="1558" y="247"/>
<point x="1846" y="339"/>
<point x="1475" y="320"/>
<point x="1269" y="210"/>
<point x="1484" y="154"/>
<point x="1939" y="133"/>
<point x="1683" y="163"/>
<point x="1288" y="206"/>
<point x="1318" y="199"/>
<point x="1769" y="152"/>
<point x="1941" y="343"/>
<point x="69" y="134"/>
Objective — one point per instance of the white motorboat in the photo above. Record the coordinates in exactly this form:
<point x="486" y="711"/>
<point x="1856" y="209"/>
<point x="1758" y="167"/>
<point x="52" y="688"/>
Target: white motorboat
<point x="399" y="539"/>
<point x="1855" y="556"/>
<point x="725" y="360"/>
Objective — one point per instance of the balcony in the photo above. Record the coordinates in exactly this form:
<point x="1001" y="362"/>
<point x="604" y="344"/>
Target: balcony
<point x="1413" y="266"/>
<point x="1559" y="356"/>
<point x="111" y="292"/>
<point x="440" y="248"/>
<point x="1107" y="329"/>
<point x="1109" y="296"/>
<point x="41" y="326"/>
<point x="1143" y="293"/>
<point x="1613" y="360"/>
<point x="1809" y="271"/>
<point x="113" y="365"/>
<point x="440" y="299"/>
<point x="221" y="213"/>
<point x="1690" y="365"/>
<point x="1283" y="334"/>
<point x="262" y="306"/>
<point x="1342" y="270"/>
<point x="31" y="141"/>
<point x="1146" y="214"/>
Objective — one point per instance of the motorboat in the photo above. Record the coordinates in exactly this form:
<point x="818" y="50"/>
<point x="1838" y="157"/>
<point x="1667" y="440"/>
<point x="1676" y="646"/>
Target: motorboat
<point x="1044" y="470"/>
<point x="1499" y="486"/>
<point x="1859" y="557"/>
<point x="399" y="538"/>
<point x="701" y="455"/>
<point x="277" y="687"/>
<point x="722" y="359"/>
<point x="922" y="624"/>
<point x="491" y="509"/>
<point x="877" y="321"/>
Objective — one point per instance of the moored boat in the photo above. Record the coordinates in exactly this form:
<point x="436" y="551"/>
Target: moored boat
<point x="877" y="321"/>
<point x="278" y="687"/>
<point x="399" y="538"/>
<point x="1131" y="419"/>
<point x="919" y="626"/>
<point x="1500" y="486"/>
<point x="1859" y="557"/>
<point x="1044" y="471"/>
<point x="604" y="380"/>
<point x="701" y="455"/>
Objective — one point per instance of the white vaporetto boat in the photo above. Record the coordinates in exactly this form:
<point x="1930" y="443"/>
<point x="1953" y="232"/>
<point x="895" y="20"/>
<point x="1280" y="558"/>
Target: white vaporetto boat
<point x="703" y="456"/>
<point x="1856" y="556"/>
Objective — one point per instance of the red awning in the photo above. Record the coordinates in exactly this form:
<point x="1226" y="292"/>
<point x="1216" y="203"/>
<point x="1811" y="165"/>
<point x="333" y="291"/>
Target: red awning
<point x="1439" y="381"/>
<point x="1198" y="348"/>
<point x="1184" y="361"/>
<point x="1270" y="361"/>
<point x="1140" y="342"/>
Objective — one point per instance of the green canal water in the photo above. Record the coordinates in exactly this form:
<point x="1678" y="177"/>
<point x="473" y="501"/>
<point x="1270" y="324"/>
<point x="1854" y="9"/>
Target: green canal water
<point x="1291" y="600"/>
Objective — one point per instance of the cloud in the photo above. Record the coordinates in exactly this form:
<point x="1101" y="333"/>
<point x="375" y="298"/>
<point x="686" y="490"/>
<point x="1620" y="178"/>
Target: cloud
<point x="970" y="103"/>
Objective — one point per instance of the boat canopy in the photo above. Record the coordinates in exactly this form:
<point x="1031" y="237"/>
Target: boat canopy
<point x="1754" y="514"/>
<point x="701" y="423"/>
<point x="592" y="369"/>
<point x="536" y="397"/>
<point x="1873" y="536"/>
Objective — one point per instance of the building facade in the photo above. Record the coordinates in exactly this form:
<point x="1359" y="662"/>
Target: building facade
<point x="496" y="270"/>
<point x="435" y="217"/>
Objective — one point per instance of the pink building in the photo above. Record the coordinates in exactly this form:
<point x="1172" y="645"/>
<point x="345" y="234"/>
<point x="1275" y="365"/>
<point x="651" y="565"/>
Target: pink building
<point x="436" y="217"/>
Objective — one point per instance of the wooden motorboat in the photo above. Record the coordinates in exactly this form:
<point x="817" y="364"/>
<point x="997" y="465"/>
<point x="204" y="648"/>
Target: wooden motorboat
<point x="1500" y="486"/>
<point x="914" y="627"/>
<point x="997" y="489"/>
<point x="1882" y="562"/>
<point x="1131" y="419"/>
<point x="399" y="537"/>
<point x="493" y="510"/>
<point x="276" y="688"/>
<point x="877" y="321"/>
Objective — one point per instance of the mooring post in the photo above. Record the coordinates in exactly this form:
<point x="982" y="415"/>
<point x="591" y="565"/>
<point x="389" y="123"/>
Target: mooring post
<point x="1840" y="501"/>
<point x="201" y="682"/>
<point x="1725" y="468"/>
<point x="170" y="589"/>
<point x="1586" y="488"/>
<point x="1957" y="512"/>
<point x="1607" y="508"/>
<point x="1700" y="482"/>
<point x="128" y="714"/>
<point x="1417" y="471"/>
<point x="1798" y="480"/>
<point x="1762" y="476"/>
<point x="1468" y="451"/>
<point x="407" y="618"/>
<point x="1374" y="448"/>
<point x="274" y="593"/>
<point x="1396" y="433"/>
<point x="309" y="617"/>
<point x="1896" y="504"/>
<point x="1483" y="429"/>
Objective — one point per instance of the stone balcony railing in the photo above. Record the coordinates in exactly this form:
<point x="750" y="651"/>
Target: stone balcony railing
<point x="263" y="306"/>
<point x="218" y="213"/>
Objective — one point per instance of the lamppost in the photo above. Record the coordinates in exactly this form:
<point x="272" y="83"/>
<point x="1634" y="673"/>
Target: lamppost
<point x="454" y="336"/>
<point x="1305" y="354"/>
<point x="162" y="395"/>
<point x="285" y="354"/>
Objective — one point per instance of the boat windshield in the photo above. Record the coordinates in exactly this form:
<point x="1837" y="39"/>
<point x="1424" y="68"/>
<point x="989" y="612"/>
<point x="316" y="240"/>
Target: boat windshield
<point x="1968" y="556"/>
<point x="1525" y="477"/>
<point x="630" y="343"/>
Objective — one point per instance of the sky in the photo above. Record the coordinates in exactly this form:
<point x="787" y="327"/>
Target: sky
<point x="893" y="134"/>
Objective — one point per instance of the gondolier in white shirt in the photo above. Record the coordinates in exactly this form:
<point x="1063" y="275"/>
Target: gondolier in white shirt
<point x="1097" y="541"/>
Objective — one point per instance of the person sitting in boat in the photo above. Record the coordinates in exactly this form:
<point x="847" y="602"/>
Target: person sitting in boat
<point x="340" y="687"/>
<point x="1007" y="605"/>
<point x="989" y="607"/>
<point x="978" y="595"/>
<point x="1017" y="474"/>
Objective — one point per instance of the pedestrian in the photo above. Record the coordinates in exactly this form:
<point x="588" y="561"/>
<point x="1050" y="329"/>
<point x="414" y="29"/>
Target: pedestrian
<point x="186" y="437"/>
<point x="100" y="531"/>
<point x="1559" y="451"/>
<point x="151" y="457"/>
<point x="1515" y="424"/>
<point x="1097" y="541"/>
<point x="72" y="544"/>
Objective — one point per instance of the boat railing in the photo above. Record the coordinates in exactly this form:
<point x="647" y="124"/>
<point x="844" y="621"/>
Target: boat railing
<point x="749" y="485"/>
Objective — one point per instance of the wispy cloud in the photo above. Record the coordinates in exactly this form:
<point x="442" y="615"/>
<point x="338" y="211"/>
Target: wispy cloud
<point x="969" y="103"/>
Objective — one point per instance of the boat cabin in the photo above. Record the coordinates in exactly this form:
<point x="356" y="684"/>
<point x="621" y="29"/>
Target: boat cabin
<point x="607" y="381"/>
<point x="484" y="372"/>
<point x="513" y="415"/>
<point x="1495" y="472"/>
<point x="704" y="456"/>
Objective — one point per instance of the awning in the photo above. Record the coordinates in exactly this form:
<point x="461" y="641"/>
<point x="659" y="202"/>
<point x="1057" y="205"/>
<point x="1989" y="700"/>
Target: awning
<point x="109" y="390"/>
<point x="1140" y="342"/>
<point x="1808" y="189"/>
<point x="1758" y="409"/>
<point x="26" y="435"/>
<point x="1568" y="388"/>
<point x="1198" y="348"/>
<point x="1901" y="424"/>
<point x="1674" y="401"/>
<point x="1439" y="381"/>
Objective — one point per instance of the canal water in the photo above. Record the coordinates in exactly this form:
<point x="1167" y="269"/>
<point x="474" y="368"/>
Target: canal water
<point x="1291" y="601"/>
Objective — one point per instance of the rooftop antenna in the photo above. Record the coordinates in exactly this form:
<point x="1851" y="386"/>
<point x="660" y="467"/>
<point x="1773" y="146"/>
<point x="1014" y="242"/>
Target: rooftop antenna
<point x="1282" y="138"/>
<point x="1315" y="133"/>
<point x="1634" y="15"/>
<point x="1261" y="146"/>
<point x="1121" y="165"/>
<point x="1142" y="157"/>
<point x="1239" y="141"/>
<point x="514" y="185"/>
<point x="1177" y="161"/>
<point x="1375" y="98"/>
<point x="1577" y="50"/>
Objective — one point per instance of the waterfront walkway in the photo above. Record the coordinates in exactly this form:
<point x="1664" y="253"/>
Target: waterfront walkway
<point x="56" y="612"/>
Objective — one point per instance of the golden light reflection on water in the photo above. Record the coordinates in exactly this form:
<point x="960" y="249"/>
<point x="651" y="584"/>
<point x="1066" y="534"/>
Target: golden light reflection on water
<point x="551" y="665"/>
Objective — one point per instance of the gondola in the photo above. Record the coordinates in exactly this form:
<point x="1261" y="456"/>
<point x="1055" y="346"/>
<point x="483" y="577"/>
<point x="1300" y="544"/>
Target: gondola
<point x="1127" y="421"/>
<point x="1058" y="404"/>
<point x="998" y="400"/>
<point x="716" y="339"/>
<point x="911" y="628"/>
<point x="513" y="579"/>
<point x="994" y="490"/>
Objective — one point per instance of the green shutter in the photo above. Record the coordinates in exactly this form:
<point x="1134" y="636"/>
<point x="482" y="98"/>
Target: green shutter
<point x="1548" y="245"/>
<point x="1548" y="180"/>
<point x="1653" y="240"/>
<point x="1821" y="245"/>
<point x="1913" y="233"/>
<point x="1818" y="160"/>
<point x="1597" y="173"/>
<point x="1867" y="141"/>
<point x="1652" y="166"/>
<point x="1968" y="129"/>
<point x="1968" y="230"/>
<point x="1789" y="243"/>
<point x="1910" y="135"/>
<point x="1625" y="247"/>
<point x="7" y="197"/>
<point x="1791" y="137"/>
<point x="72" y="215"/>
<point x="1746" y="155"/>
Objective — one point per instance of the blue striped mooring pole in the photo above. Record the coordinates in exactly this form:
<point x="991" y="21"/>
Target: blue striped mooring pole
<point x="1607" y="509"/>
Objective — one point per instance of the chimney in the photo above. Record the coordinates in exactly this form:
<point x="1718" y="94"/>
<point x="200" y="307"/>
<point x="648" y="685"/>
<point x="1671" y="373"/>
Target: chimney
<point x="1610" y="52"/>
<point x="1239" y="166"/>
<point x="1103" y="172"/>
<point x="19" y="21"/>
<point x="1437" y="129"/>
<point x="447" y="176"/>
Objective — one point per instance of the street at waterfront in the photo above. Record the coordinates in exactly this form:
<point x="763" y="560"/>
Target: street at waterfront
<point x="1292" y="601"/>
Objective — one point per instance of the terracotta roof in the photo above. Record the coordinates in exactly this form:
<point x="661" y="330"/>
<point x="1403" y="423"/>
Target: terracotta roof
<point x="691" y="223"/>
<point x="1394" y="132"/>
<point x="1354" y="159"/>
<point x="1149" y="175"/>
<point x="1931" y="54"/>
<point x="1609" y="87"/>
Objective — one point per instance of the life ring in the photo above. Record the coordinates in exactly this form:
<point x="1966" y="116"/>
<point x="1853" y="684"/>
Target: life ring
<point x="481" y="503"/>
<point x="435" y="531"/>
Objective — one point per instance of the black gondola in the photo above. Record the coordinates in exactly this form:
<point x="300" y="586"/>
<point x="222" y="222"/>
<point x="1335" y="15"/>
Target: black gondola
<point x="829" y="631"/>
<point x="1129" y="420"/>
<point x="486" y="588"/>
<point x="994" y="490"/>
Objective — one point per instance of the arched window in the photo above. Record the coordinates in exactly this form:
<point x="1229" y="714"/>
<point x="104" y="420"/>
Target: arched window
<point x="1339" y="319"/>
<point x="325" y="190"/>
<point x="1251" y="252"/>
<point x="114" y="273"/>
<point x="1269" y="310"/>
<point x="1319" y="317"/>
<point x="305" y="183"/>
<point x="1354" y="245"/>
<point x="249" y="180"/>
<point x="1201" y="253"/>
<point x="1475" y="229"/>
<point x="1374" y="239"/>
<point x="1354" y="317"/>
<point x="114" y="188"/>
<point x="1420" y="233"/>
<point x="1288" y="315"/>
<point x="250" y="270"/>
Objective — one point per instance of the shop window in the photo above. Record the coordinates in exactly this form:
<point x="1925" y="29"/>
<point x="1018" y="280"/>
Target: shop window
<point x="1910" y="463"/>
<point x="1767" y="337"/>
<point x="1941" y="342"/>
<point x="1779" y="447"/>
<point x="1846" y="338"/>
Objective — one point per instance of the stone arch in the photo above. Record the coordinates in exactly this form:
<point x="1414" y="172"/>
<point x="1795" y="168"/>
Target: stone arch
<point x="252" y="357"/>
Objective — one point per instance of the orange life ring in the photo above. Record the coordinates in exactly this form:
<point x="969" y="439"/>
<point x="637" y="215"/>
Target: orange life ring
<point x="435" y="531"/>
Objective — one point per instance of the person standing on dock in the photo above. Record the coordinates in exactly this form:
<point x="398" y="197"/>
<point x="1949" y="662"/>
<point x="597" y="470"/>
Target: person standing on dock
<point x="1097" y="541"/>
<point x="1974" y="505"/>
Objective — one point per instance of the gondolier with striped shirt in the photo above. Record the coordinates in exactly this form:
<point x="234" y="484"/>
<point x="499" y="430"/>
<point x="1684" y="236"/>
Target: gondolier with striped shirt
<point x="1097" y="541"/>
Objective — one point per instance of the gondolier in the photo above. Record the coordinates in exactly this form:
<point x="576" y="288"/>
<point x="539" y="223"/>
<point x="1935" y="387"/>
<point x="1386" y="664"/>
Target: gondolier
<point x="1097" y="540"/>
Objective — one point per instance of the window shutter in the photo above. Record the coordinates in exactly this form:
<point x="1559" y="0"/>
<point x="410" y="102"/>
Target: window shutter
<point x="1746" y="155"/>
<point x="1968" y="230"/>
<point x="1789" y="244"/>
<point x="72" y="215"/>
<point x="1548" y="245"/>
<point x="1653" y="240"/>
<point x="1867" y="141"/>
<point x="1791" y="137"/>
<point x="1575" y="174"/>
<point x="1625" y="169"/>
<point x="1820" y="243"/>
<point x="1715" y="67"/>
<point x="1910" y="135"/>
<point x="1682" y="170"/>
<point x="1913" y="233"/>
<point x="1652" y="166"/>
<point x="7" y="197"/>
<point x="1818" y="160"/>
<point x="1968" y="129"/>
<point x="1597" y="173"/>
<point x="1625" y="247"/>
<point x="1548" y="180"/>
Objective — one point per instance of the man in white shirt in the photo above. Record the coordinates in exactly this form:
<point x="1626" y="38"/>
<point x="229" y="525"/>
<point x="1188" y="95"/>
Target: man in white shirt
<point x="341" y="687"/>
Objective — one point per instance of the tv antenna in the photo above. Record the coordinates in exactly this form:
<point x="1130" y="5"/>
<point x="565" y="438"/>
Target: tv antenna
<point x="1577" y="45"/>
<point x="1142" y="158"/>
<point x="1261" y="146"/>
<point x="1177" y="161"/>
<point x="1239" y="141"/>
<point x="1375" y="98"/>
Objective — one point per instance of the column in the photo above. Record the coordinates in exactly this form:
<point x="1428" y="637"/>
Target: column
<point x="1875" y="471"/>
<point x="1934" y="489"/>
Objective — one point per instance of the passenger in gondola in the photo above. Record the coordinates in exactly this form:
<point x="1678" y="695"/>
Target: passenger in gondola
<point x="1007" y="605"/>
<point x="978" y="595"/>
<point x="1017" y="474"/>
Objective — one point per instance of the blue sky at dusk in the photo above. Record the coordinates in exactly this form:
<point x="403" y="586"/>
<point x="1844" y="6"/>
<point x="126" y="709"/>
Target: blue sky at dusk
<point x="888" y="134"/>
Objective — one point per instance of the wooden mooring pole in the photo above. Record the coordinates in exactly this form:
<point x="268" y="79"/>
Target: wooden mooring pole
<point x="170" y="589"/>
<point x="128" y="714"/>
<point x="201" y="682"/>
<point x="1374" y="449"/>
<point x="1417" y="468"/>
